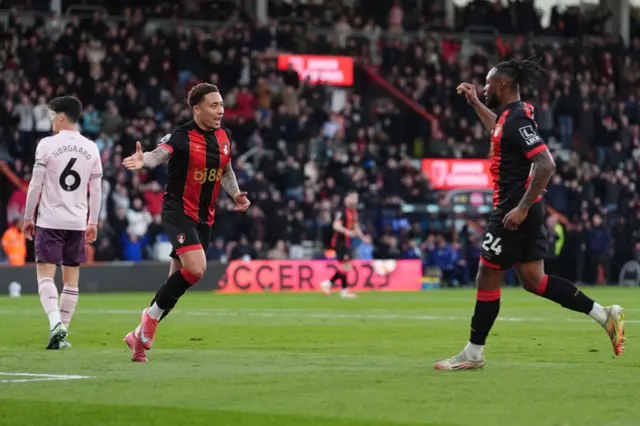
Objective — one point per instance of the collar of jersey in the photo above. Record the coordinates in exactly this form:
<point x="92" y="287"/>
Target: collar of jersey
<point x="508" y="106"/>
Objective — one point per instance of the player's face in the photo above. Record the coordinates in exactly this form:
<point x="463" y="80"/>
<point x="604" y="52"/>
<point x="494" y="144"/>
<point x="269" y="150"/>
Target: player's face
<point x="492" y="89"/>
<point x="351" y="200"/>
<point x="210" y="111"/>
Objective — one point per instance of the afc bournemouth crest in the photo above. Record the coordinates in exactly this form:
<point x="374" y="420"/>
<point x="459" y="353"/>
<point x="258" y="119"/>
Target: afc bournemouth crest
<point x="181" y="238"/>
<point x="225" y="149"/>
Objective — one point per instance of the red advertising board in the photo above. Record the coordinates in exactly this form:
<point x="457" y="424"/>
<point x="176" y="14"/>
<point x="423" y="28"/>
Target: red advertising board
<point x="332" y="70"/>
<point x="306" y="275"/>
<point x="447" y="173"/>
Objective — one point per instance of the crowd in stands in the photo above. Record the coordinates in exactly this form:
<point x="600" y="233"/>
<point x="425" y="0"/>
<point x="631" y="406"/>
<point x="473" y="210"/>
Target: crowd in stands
<point x="296" y="156"/>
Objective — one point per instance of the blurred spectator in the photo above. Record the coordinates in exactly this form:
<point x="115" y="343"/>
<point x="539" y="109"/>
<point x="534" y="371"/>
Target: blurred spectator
<point x="243" y="251"/>
<point x="599" y="245"/>
<point x="278" y="252"/>
<point x="14" y="244"/>
<point x="365" y="248"/>
<point x="298" y="147"/>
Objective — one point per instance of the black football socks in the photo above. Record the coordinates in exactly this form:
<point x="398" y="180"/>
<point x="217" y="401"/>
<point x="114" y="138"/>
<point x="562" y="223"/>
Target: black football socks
<point x="177" y="284"/>
<point x="565" y="294"/>
<point x="485" y="314"/>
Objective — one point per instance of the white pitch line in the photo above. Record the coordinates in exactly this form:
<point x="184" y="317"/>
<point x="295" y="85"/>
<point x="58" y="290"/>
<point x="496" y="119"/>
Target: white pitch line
<point x="40" y="377"/>
<point x="40" y="380"/>
<point x="290" y="313"/>
<point x="53" y="376"/>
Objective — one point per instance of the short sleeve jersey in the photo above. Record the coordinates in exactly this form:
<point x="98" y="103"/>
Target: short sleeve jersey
<point x="197" y="163"/>
<point x="514" y="141"/>
<point x="349" y="219"/>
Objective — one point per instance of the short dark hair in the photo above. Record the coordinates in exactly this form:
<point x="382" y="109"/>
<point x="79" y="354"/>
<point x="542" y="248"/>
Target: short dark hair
<point x="67" y="105"/>
<point x="199" y="91"/>
<point x="523" y="73"/>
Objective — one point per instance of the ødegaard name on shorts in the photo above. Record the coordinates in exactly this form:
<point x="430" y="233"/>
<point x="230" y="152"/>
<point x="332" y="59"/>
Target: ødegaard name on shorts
<point x="306" y="275"/>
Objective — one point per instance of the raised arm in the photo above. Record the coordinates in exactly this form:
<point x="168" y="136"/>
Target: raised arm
<point x="487" y="116"/>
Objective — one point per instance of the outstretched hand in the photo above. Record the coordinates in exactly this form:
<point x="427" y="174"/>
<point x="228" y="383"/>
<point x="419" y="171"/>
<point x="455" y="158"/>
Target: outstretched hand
<point x="136" y="161"/>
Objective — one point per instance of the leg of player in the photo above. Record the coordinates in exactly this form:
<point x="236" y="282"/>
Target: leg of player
<point x="174" y="267"/>
<point x="49" y="300"/>
<point x="194" y="265"/>
<point x="345" y="293"/>
<point x="69" y="297"/>
<point x="138" y="353"/>
<point x="486" y="311"/>
<point x="564" y="293"/>
<point x="338" y="277"/>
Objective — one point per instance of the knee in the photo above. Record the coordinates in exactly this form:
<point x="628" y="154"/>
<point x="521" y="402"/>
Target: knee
<point x="489" y="278"/>
<point x="531" y="282"/>
<point x="197" y="270"/>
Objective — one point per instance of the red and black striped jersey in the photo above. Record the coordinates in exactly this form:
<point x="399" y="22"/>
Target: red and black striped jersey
<point x="349" y="219"/>
<point x="514" y="140"/>
<point x="197" y="163"/>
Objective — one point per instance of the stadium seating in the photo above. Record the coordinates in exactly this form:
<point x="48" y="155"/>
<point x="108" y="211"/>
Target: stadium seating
<point x="296" y="155"/>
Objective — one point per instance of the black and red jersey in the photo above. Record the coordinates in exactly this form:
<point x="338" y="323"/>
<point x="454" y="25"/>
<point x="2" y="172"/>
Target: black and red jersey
<point x="198" y="160"/>
<point x="349" y="219"/>
<point x="514" y="140"/>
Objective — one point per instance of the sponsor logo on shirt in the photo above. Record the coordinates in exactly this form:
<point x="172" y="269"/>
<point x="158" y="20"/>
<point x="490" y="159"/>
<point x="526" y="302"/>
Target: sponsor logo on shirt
<point x="529" y="135"/>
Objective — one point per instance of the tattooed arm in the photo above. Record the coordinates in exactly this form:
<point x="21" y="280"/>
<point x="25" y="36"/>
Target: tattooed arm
<point x="148" y="159"/>
<point x="229" y="181"/>
<point x="543" y="168"/>
<point x="156" y="157"/>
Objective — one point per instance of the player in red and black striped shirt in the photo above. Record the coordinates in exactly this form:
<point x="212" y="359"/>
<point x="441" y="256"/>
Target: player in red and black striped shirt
<point x="346" y="226"/>
<point x="199" y="155"/>
<point x="516" y="235"/>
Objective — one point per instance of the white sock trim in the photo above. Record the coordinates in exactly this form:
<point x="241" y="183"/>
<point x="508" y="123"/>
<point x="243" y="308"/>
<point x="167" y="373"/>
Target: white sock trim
<point x="155" y="312"/>
<point x="598" y="313"/>
<point x="473" y="351"/>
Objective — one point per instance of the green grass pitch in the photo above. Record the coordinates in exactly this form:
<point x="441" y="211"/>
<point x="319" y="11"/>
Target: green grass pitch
<point x="305" y="359"/>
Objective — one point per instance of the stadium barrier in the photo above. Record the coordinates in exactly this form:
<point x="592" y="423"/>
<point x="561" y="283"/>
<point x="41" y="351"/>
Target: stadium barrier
<point x="235" y="277"/>
<point x="110" y="277"/>
<point x="306" y="275"/>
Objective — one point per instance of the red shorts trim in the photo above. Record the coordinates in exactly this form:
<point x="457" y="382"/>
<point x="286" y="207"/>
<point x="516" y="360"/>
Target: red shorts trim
<point x="189" y="248"/>
<point x="485" y="262"/>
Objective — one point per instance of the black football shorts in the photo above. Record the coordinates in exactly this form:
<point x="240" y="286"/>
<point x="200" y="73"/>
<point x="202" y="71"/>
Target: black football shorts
<point x="185" y="236"/>
<point x="503" y="249"/>
<point x="343" y="253"/>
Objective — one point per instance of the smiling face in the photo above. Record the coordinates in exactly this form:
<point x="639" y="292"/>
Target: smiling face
<point x="210" y="110"/>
